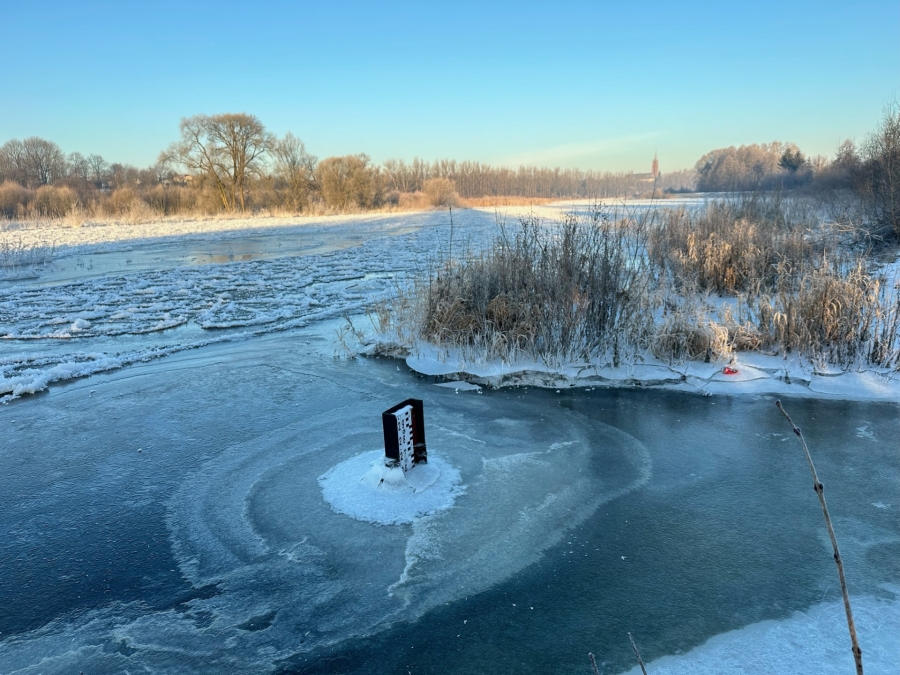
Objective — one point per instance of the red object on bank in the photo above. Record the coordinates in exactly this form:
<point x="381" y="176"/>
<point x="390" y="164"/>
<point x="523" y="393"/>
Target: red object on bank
<point x="729" y="371"/>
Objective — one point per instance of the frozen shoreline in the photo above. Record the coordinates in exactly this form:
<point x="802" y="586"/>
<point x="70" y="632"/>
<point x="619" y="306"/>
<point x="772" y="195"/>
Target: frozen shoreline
<point x="56" y="330"/>
<point x="756" y="374"/>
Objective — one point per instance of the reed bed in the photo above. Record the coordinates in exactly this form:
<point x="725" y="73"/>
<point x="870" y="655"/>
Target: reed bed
<point x="750" y="274"/>
<point x="578" y="289"/>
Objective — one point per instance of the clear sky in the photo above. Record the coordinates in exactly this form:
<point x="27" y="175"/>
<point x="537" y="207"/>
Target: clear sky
<point x="595" y="85"/>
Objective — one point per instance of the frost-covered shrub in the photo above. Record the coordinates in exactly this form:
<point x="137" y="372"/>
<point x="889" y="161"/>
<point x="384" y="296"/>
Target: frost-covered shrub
<point x="834" y="315"/>
<point x="686" y="332"/>
<point x="732" y="246"/>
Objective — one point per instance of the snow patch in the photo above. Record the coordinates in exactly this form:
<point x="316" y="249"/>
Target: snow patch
<point x="811" y="641"/>
<point x="363" y="488"/>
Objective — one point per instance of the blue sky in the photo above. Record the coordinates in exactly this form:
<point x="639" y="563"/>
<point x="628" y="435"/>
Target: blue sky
<point x="594" y="85"/>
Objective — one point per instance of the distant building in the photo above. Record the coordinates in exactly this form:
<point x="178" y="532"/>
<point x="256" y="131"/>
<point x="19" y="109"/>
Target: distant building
<point x="654" y="170"/>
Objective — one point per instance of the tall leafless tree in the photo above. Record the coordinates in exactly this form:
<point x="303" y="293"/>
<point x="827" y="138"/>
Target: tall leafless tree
<point x="78" y="166"/>
<point x="878" y="177"/>
<point x="349" y="182"/>
<point x="45" y="163"/>
<point x="294" y="170"/>
<point x="12" y="161"/>
<point x="224" y="150"/>
<point x="32" y="162"/>
<point x="99" y="170"/>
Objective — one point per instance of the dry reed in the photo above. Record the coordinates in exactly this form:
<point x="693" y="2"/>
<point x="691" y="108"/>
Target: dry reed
<point x="559" y="293"/>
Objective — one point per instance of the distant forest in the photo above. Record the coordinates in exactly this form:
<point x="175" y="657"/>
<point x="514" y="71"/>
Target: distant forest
<point x="232" y="163"/>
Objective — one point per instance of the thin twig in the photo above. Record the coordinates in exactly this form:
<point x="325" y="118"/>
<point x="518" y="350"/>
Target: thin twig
<point x="820" y="491"/>
<point x="593" y="663"/>
<point x="637" y="654"/>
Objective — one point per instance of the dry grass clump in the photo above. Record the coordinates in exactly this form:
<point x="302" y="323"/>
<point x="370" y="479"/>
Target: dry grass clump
<point x="799" y="289"/>
<point x="611" y="289"/>
<point x="574" y="290"/>
<point x="53" y="202"/>
<point x="833" y="315"/>
<point x="126" y="204"/>
<point x="412" y="201"/>
<point x="14" y="199"/>
<point x="731" y="246"/>
<point x="686" y="332"/>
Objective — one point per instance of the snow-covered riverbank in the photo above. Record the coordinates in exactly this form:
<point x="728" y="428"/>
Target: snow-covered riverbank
<point x="116" y="294"/>
<point x="748" y="373"/>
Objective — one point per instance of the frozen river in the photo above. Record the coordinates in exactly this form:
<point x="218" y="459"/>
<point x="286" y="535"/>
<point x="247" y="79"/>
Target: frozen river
<point x="166" y="514"/>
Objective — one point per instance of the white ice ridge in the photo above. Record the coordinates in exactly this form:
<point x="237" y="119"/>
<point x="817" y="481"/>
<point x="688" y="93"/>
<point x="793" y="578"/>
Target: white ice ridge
<point x="814" y="642"/>
<point x="363" y="488"/>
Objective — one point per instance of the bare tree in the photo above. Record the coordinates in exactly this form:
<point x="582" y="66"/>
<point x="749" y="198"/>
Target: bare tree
<point x="349" y="181"/>
<point x="99" y="170"/>
<point x="12" y="161"/>
<point x="400" y="175"/>
<point x="79" y="166"/>
<point x="294" y="170"/>
<point x="878" y="177"/>
<point x="224" y="150"/>
<point x="122" y="175"/>
<point x="162" y="173"/>
<point x="32" y="162"/>
<point x="45" y="163"/>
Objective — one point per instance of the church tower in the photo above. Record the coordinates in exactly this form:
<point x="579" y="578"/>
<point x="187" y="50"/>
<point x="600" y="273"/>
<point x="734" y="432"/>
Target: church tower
<point x="654" y="171"/>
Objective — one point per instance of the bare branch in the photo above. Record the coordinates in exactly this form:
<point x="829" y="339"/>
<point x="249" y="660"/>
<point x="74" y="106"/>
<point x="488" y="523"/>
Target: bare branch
<point x="820" y="491"/>
<point x="637" y="654"/>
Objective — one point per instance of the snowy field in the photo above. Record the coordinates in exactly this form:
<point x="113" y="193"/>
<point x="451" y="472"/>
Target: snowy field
<point x="179" y="491"/>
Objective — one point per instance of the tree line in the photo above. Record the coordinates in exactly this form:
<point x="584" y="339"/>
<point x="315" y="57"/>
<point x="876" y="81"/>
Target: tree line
<point x="230" y="162"/>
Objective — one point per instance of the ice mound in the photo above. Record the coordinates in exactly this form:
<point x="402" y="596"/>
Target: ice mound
<point x="363" y="488"/>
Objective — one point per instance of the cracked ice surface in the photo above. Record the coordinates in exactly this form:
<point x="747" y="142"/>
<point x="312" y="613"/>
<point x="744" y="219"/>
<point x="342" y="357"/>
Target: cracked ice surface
<point x="74" y="328"/>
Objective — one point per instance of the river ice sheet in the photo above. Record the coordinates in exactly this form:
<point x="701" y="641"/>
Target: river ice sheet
<point x="169" y="517"/>
<point x="284" y="573"/>
<point x="53" y="330"/>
